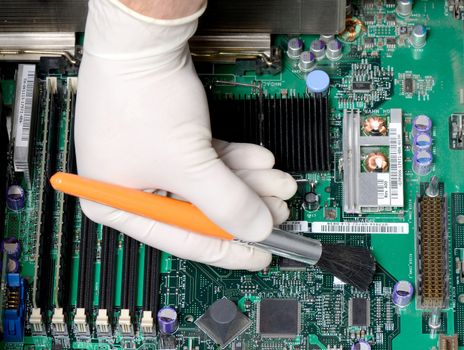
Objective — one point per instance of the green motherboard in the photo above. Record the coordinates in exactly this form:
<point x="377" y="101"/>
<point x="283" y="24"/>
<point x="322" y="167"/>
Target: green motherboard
<point x="379" y="161"/>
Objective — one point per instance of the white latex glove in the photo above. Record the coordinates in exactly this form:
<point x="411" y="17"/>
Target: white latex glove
<point x="142" y="121"/>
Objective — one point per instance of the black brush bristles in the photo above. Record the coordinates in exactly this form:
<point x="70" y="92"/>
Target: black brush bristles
<point x="353" y="265"/>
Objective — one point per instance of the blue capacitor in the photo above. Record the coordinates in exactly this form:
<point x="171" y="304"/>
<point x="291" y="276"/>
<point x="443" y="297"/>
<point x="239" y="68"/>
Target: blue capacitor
<point x="317" y="81"/>
<point x="15" y="198"/>
<point x="421" y="124"/>
<point x="361" y="345"/>
<point x="403" y="292"/>
<point x="167" y="320"/>
<point x="422" y="142"/>
<point x="11" y="246"/>
<point x="12" y="265"/>
<point x="422" y="162"/>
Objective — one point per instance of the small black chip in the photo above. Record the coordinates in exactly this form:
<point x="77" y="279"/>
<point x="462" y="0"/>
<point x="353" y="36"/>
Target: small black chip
<point x="408" y="85"/>
<point x="286" y="264"/>
<point x="359" y="310"/>
<point x="369" y="42"/>
<point x="279" y="318"/>
<point x="390" y="18"/>
<point x="362" y="86"/>
<point x="391" y="41"/>
<point x="370" y="19"/>
<point x="390" y="3"/>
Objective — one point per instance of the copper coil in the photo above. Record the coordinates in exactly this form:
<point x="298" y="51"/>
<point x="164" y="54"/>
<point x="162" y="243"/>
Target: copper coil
<point x="351" y="32"/>
<point x="376" y="162"/>
<point x="375" y="126"/>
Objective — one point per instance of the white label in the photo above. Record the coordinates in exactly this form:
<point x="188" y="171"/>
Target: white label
<point x="359" y="227"/>
<point x="383" y="189"/>
<point x="23" y="115"/>
<point x="295" y="226"/>
<point x="396" y="165"/>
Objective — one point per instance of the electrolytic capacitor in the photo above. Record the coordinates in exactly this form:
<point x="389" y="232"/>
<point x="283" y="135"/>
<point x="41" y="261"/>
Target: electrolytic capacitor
<point x="318" y="49"/>
<point x="418" y="37"/>
<point x="13" y="265"/>
<point x="403" y="292"/>
<point x="311" y="201"/>
<point x="422" y="142"/>
<point x="307" y="61"/>
<point x="15" y="198"/>
<point x="326" y="37"/>
<point x="167" y="320"/>
<point x="421" y="124"/>
<point x="422" y="162"/>
<point x="295" y="48"/>
<point x="334" y="50"/>
<point x="404" y="7"/>
<point x="11" y="246"/>
<point x="361" y="345"/>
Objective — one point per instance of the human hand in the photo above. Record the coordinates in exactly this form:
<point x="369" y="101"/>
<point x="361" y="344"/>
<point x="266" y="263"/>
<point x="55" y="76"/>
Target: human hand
<point x="142" y="121"/>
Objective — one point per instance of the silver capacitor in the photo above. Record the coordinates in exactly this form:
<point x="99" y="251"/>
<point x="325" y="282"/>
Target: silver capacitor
<point x="404" y="7"/>
<point x="326" y="37"/>
<point x="403" y="292"/>
<point x="418" y="36"/>
<point x="422" y="162"/>
<point x="334" y="50"/>
<point x="307" y="61"/>
<point x="318" y="49"/>
<point x="421" y="124"/>
<point x="295" y="48"/>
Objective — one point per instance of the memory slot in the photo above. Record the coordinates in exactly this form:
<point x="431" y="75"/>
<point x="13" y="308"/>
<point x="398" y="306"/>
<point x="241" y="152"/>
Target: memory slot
<point x="65" y="205"/>
<point x="151" y="280"/>
<point x="45" y="300"/>
<point x="131" y="250"/>
<point x="108" y="269"/>
<point x="86" y="264"/>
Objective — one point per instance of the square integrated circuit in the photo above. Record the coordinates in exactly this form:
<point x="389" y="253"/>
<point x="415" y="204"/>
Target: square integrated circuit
<point x="359" y="310"/>
<point x="279" y="318"/>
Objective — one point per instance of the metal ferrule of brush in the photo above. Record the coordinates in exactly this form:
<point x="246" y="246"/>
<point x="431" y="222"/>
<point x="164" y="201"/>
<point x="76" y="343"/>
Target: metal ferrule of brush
<point x="292" y="246"/>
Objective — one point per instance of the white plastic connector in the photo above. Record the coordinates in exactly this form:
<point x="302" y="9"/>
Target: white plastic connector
<point x="125" y="322"/>
<point x="36" y="321"/>
<point x="80" y="320"/>
<point x="58" y="321"/>
<point x="102" y="324"/>
<point x="147" y="323"/>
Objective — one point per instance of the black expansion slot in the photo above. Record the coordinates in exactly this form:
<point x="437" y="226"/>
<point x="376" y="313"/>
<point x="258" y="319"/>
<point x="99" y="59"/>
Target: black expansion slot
<point x="151" y="280"/>
<point x="69" y="211"/>
<point x="45" y="297"/>
<point x="129" y="277"/>
<point x="3" y="163"/>
<point x="86" y="264"/>
<point x="108" y="269"/>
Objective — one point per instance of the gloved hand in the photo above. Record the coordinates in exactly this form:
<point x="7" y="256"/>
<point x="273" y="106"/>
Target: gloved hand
<point x="142" y="121"/>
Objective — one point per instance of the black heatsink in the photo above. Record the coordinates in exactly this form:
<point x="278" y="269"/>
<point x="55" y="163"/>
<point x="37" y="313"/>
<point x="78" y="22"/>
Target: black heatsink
<point x="295" y="129"/>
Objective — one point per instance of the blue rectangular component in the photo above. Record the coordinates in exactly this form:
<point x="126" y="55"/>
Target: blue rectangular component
<point x="13" y="316"/>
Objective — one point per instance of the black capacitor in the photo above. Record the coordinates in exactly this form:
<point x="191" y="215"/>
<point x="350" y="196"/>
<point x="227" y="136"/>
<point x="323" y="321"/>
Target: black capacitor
<point x="311" y="201"/>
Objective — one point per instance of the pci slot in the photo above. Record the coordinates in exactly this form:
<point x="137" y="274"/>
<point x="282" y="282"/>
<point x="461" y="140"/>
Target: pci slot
<point x="432" y="252"/>
<point x="457" y="217"/>
<point x="62" y="228"/>
<point x="48" y="91"/>
<point x="151" y="288"/>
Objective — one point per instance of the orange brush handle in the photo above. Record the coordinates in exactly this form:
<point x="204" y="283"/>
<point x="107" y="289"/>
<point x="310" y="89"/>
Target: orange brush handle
<point x="163" y="209"/>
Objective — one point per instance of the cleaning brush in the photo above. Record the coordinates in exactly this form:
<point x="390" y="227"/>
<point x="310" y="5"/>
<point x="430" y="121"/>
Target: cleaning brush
<point x="352" y="265"/>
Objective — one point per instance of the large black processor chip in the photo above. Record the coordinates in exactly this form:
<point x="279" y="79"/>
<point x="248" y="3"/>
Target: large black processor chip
<point x="359" y="311"/>
<point x="279" y="318"/>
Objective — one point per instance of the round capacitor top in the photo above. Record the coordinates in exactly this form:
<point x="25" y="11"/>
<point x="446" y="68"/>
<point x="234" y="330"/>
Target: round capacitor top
<point x="317" y="81"/>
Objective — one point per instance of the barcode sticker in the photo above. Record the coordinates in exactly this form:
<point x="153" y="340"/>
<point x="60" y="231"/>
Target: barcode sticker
<point x="295" y="226"/>
<point x="396" y="165"/>
<point x="359" y="227"/>
<point x="383" y="189"/>
<point x="23" y="115"/>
